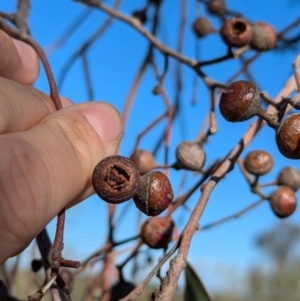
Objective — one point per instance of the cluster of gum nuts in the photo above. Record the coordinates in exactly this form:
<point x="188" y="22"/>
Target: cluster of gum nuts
<point x="241" y="101"/>
<point x="237" y="31"/>
<point x="283" y="200"/>
<point x="118" y="179"/>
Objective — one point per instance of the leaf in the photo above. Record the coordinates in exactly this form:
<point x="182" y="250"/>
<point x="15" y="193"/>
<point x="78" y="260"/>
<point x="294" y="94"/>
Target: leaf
<point x="194" y="288"/>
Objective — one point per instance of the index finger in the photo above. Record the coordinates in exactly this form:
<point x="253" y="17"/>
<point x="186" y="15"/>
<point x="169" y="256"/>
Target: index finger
<point x="18" y="61"/>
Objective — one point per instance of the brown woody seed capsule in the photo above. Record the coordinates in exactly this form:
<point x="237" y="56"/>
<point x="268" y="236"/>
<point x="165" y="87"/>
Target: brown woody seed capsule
<point x="154" y="193"/>
<point x="144" y="160"/>
<point x="258" y="162"/>
<point x="283" y="201"/>
<point x="202" y="27"/>
<point x="156" y="232"/>
<point x="120" y="290"/>
<point x="217" y="7"/>
<point x="240" y="101"/>
<point x="116" y="179"/>
<point x="190" y="155"/>
<point x="263" y="36"/>
<point x="288" y="137"/>
<point x="290" y="177"/>
<point x="236" y="32"/>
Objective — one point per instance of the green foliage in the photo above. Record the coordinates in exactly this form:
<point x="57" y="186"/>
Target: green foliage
<point x="194" y="288"/>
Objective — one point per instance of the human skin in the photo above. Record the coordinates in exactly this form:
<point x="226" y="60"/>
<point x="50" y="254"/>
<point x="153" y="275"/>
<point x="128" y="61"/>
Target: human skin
<point x="47" y="156"/>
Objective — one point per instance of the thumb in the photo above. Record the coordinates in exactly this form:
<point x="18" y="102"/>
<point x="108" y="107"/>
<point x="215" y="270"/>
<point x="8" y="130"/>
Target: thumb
<point x="49" y="167"/>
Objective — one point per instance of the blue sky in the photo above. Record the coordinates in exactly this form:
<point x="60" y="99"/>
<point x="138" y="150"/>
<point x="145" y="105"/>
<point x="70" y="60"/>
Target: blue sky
<point x="114" y="60"/>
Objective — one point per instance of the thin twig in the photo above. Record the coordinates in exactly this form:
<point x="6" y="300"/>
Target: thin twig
<point x="21" y="35"/>
<point x="68" y="32"/>
<point x="84" y="47"/>
<point x="21" y="19"/>
<point x="297" y="71"/>
<point x="141" y="71"/>
<point x="41" y="292"/>
<point x="233" y="216"/>
<point x="147" y="129"/>
<point x="139" y="27"/>
<point x="137" y="291"/>
<point x="87" y="76"/>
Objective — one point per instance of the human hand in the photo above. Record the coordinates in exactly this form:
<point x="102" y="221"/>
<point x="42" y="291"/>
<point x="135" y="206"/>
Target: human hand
<point x="47" y="156"/>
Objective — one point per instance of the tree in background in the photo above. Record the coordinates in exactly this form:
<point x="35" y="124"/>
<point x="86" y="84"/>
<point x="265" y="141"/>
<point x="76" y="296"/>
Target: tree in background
<point x="185" y="134"/>
<point x="278" y="280"/>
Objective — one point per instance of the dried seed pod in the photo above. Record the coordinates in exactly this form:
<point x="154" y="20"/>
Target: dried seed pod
<point x="258" y="162"/>
<point x="120" y="290"/>
<point x="140" y="15"/>
<point x="263" y="36"/>
<point x="240" y="101"/>
<point x="283" y="201"/>
<point x="144" y="160"/>
<point x="156" y="232"/>
<point x="190" y="155"/>
<point x="154" y="193"/>
<point x="216" y="7"/>
<point x="236" y="32"/>
<point x="116" y="179"/>
<point x="289" y="176"/>
<point x="288" y="137"/>
<point x="202" y="27"/>
<point x="3" y="291"/>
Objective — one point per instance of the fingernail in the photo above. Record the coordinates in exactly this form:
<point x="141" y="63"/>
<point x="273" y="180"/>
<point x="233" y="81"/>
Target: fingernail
<point x="105" y="120"/>
<point x="66" y="102"/>
<point x="28" y="57"/>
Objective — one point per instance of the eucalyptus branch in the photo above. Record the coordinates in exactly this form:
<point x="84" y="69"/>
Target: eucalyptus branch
<point x="139" y="27"/>
<point x="169" y="283"/>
